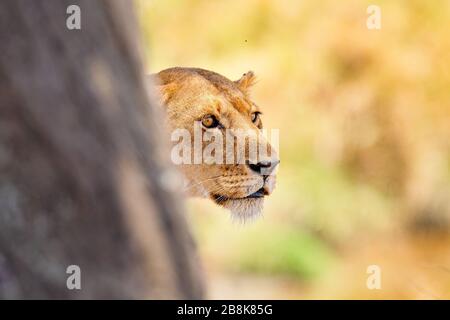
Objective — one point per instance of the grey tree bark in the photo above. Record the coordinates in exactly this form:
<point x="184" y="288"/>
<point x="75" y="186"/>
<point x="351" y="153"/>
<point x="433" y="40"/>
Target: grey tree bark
<point x="83" y="175"/>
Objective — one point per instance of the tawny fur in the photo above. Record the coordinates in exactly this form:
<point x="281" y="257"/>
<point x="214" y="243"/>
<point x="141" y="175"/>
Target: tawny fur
<point x="189" y="94"/>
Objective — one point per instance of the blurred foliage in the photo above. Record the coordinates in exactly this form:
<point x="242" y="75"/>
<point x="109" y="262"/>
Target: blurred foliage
<point x="285" y="251"/>
<point x="364" y="119"/>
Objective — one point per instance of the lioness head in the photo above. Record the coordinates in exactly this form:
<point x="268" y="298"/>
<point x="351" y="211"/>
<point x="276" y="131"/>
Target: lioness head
<point x="220" y="108"/>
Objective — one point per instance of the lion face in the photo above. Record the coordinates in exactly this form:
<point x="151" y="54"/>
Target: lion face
<point x="201" y="101"/>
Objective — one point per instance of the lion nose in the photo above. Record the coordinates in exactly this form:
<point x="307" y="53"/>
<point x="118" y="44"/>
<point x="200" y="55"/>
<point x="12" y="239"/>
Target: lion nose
<point x="264" y="167"/>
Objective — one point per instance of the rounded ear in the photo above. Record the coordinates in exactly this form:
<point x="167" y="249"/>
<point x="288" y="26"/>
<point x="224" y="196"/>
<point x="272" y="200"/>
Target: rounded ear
<point x="247" y="80"/>
<point x="163" y="92"/>
<point x="166" y="91"/>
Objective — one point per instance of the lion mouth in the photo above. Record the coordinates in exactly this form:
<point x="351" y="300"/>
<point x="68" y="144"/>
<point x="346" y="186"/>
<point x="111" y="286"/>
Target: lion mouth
<point x="243" y="208"/>
<point x="257" y="194"/>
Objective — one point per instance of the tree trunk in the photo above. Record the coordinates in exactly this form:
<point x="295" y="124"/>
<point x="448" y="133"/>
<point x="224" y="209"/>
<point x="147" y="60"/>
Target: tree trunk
<point x="83" y="179"/>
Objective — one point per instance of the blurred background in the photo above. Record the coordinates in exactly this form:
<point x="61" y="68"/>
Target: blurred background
<point x="364" y="119"/>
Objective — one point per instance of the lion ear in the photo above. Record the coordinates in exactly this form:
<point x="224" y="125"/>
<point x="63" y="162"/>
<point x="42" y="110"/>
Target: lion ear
<point x="165" y="92"/>
<point x="246" y="81"/>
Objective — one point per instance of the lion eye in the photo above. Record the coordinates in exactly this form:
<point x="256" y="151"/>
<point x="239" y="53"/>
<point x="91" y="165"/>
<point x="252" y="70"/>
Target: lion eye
<point x="210" y="121"/>
<point x="255" y="116"/>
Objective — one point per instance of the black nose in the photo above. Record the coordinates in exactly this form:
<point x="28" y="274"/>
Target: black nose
<point x="263" y="167"/>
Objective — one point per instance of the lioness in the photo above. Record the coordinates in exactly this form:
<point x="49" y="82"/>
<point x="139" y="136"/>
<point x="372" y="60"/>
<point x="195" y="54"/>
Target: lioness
<point x="195" y="95"/>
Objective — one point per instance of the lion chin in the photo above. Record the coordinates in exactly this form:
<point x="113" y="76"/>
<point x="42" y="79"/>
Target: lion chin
<point x="243" y="209"/>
